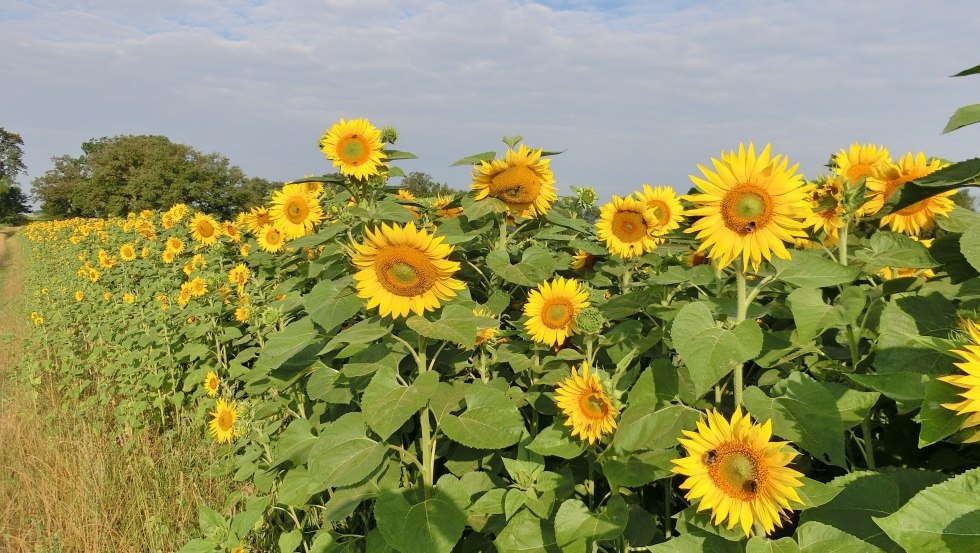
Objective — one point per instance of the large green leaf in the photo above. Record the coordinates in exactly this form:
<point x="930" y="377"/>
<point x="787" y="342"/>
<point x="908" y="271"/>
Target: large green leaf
<point x="642" y="426"/>
<point x="941" y="518"/>
<point x="709" y="351"/>
<point x="970" y="246"/>
<point x="812" y="315"/>
<point x="758" y="544"/>
<point x="475" y="159"/>
<point x="817" y="537"/>
<point x="937" y="421"/>
<point x="638" y="468"/>
<point x="890" y="249"/>
<point x="957" y="175"/>
<point x="295" y="442"/>
<point x="433" y="525"/>
<point x="852" y="405"/>
<point x="330" y="307"/>
<point x="490" y="421"/>
<point x="387" y="404"/>
<point x="904" y="323"/>
<point x="556" y="440"/>
<point x="813" y="270"/>
<point x="802" y="411"/>
<point x="697" y="543"/>
<point x="281" y="346"/>
<point x="455" y="324"/>
<point x="526" y="533"/>
<point x="363" y="332"/>
<point x="537" y="265"/>
<point x="906" y="388"/>
<point x="966" y="115"/>
<point x="343" y="454"/>
<point x="575" y="522"/>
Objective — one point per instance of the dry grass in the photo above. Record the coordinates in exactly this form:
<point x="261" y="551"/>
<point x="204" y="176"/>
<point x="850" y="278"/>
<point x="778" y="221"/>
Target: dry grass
<point x="65" y="483"/>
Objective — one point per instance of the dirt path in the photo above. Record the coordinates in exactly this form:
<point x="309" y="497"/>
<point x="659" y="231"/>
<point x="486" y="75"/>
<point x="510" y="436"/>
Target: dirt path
<point x="12" y="323"/>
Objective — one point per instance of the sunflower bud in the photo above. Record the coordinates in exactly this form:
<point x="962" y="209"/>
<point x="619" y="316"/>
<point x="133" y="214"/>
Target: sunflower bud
<point x="590" y="320"/>
<point x="389" y="135"/>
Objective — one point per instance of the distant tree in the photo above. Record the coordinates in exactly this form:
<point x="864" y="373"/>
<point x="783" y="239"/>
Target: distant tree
<point x="963" y="198"/>
<point x="122" y="174"/>
<point x="11" y="159"/>
<point x="423" y="185"/>
<point x="13" y="204"/>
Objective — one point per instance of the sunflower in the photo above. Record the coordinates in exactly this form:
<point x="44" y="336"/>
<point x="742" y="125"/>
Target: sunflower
<point x="271" y="239"/>
<point x="355" y="147"/>
<point x="522" y="180"/>
<point x="241" y="314"/>
<point x="485" y="333"/>
<point x="551" y="310"/>
<point x="313" y="188"/>
<point x="257" y="219"/>
<point x="441" y="203"/>
<point x="204" y="229"/>
<point x="582" y="260"/>
<point x="223" y="420"/>
<point x="737" y="473"/>
<point x="212" y="383"/>
<point x="401" y="269"/>
<point x="666" y="207"/>
<point x="294" y="212"/>
<point x="919" y="216"/>
<point x="174" y="244"/>
<point x="749" y="206"/>
<point x="239" y="275"/>
<point x="231" y="231"/>
<point x="970" y="382"/>
<point x="128" y="298"/>
<point x="178" y="211"/>
<point x="860" y="160"/>
<point x="79" y="295"/>
<point x="627" y="226"/>
<point x="127" y="252"/>
<point x="168" y="256"/>
<point x="589" y="410"/>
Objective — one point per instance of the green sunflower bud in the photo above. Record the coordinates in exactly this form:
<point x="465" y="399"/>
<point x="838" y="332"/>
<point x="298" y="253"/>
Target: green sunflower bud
<point x="389" y="135"/>
<point x="590" y="320"/>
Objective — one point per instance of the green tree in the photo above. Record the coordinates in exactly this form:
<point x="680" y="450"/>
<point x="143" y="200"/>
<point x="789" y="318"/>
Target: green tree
<point x="122" y="174"/>
<point x="422" y="185"/>
<point x="11" y="159"/>
<point x="13" y="203"/>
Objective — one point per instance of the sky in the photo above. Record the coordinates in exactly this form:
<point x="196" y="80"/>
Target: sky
<point x="632" y="92"/>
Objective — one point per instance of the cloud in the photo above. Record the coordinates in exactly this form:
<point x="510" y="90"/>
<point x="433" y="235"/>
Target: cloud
<point x="635" y="92"/>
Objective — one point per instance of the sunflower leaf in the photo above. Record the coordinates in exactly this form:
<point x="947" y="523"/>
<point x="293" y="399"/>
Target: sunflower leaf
<point x="433" y="525"/>
<point x="759" y="544"/>
<point x="455" y="324"/>
<point x="574" y="521"/>
<point x="817" y="537"/>
<point x="937" y="421"/>
<point x="490" y="421"/>
<point x="475" y="159"/>
<point x="812" y="270"/>
<point x="387" y="405"/>
<point x="966" y="115"/>
<point x="890" y="249"/>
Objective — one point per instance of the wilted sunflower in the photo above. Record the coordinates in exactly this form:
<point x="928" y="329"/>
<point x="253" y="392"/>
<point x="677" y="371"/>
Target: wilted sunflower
<point x="212" y="383"/>
<point x="748" y="207"/>
<point x="970" y="382"/>
<point x="589" y="410"/>
<point x="355" y="147"/>
<point x="522" y="180"/>
<point x="666" y="207"/>
<point x="271" y="239"/>
<point x="127" y="252"/>
<point x="223" y="420"/>
<point x="204" y="229"/>
<point x="257" y="219"/>
<point x="919" y="216"/>
<point x="295" y="212"/>
<point x="627" y="226"/>
<point x="401" y="269"/>
<point x="860" y="160"/>
<point x="737" y="473"/>
<point x="551" y="310"/>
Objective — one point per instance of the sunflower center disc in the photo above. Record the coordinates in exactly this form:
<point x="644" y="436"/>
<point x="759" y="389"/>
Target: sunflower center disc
<point x="557" y="314"/>
<point x="205" y="229"/>
<point x="738" y="473"/>
<point x="296" y="211"/>
<point x="629" y="226"/>
<point x="354" y="150"/>
<point x="518" y="187"/>
<point x="746" y="209"/>
<point x="403" y="274"/>
<point x="224" y="420"/>
<point x="405" y="271"/>
<point x="750" y="206"/>
<point x="660" y="211"/>
<point x="594" y="406"/>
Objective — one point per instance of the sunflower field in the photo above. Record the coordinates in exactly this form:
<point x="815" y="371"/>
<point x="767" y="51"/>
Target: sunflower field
<point x="766" y="363"/>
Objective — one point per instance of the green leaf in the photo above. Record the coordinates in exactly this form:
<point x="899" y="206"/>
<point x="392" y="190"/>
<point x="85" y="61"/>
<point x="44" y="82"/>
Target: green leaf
<point x="890" y="249"/>
<point x="294" y="443"/>
<point x="638" y="468"/>
<point x="512" y="141"/>
<point x="817" y="537"/>
<point x="432" y="525"/>
<point x="813" y="316"/>
<point x="330" y="307"/>
<point x="386" y="404"/>
<point x="900" y="347"/>
<point x="343" y="454"/>
<point x="526" y="533"/>
<point x="941" y="518"/>
<point x="456" y="324"/>
<point x="815" y="494"/>
<point x="758" y="544"/>
<point x="475" y="159"/>
<point x="392" y="155"/>
<point x="957" y="175"/>
<point x="574" y="521"/>
<point x="536" y="265"/>
<point x="966" y="115"/>
<point x="970" y="246"/>
<point x="852" y="405"/>
<point x="642" y="426"/>
<point x="697" y="543"/>
<point x="805" y="414"/>
<point x="937" y="421"/>
<point x="578" y="225"/>
<point x="971" y="71"/>
<point x="555" y="440"/>
<point x="906" y="388"/>
<point x="813" y="270"/>
<point x="364" y="332"/>
<point x="209" y="520"/>
<point x="710" y="352"/>
<point x="490" y="421"/>
<point x="295" y="487"/>
<point x="289" y="541"/>
<point x="281" y="346"/>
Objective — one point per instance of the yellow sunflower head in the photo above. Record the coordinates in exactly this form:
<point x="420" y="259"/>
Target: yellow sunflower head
<point x="919" y="216"/>
<point x="748" y="206"/>
<point x="127" y="252"/>
<point x="174" y="244"/>
<point x="257" y="219"/>
<point x="313" y="188"/>
<point x="239" y="275"/>
<point x="582" y="260"/>
<point x="355" y="147"/>
<point x="589" y="410"/>
<point x="294" y="211"/>
<point x="522" y="180"/>
<point x="404" y="269"/>
<point x="79" y="295"/>
<point x="204" y="229"/>
<point x="271" y="239"/>
<point x="551" y="310"/>
<point x="128" y="298"/>
<point x="223" y="419"/>
<point x="666" y="206"/>
<point x="627" y="225"/>
<point x="230" y="230"/>
<point x="860" y="160"/>
<point x="212" y="383"/>
<point x="737" y="473"/>
<point x="241" y="314"/>
<point x="969" y="408"/>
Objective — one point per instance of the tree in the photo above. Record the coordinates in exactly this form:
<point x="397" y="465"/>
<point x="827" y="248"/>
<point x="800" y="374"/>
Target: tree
<point x="11" y="159"/>
<point x="13" y="203"/>
<point x="423" y="185"/>
<point x="122" y="174"/>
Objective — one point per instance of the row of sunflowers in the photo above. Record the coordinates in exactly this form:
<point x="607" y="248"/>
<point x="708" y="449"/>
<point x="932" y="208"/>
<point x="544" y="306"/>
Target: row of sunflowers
<point x="743" y="368"/>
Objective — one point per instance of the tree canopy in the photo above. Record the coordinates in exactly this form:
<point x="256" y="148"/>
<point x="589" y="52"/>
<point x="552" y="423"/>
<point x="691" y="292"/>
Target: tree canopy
<point x="129" y="173"/>
<point x="423" y="185"/>
<point x="12" y="200"/>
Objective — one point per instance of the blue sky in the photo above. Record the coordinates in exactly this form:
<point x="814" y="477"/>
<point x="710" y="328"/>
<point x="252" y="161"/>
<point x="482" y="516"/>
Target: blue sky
<point x="634" y="92"/>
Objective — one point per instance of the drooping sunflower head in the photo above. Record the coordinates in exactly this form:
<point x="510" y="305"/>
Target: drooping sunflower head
<point x="581" y="259"/>
<point x="271" y="239"/>
<point x="627" y="225"/>
<point x="749" y="206"/>
<point x="919" y="216"/>
<point x="223" y="419"/>
<point x="969" y="408"/>
<point x="402" y="269"/>
<point x="127" y="252"/>
<point x="355" y="147"/>
<point x="737" y="473"/>
<point x="860" y="160"/>
<point x="590" y="411"/>
<point x="666" y="206"/>
<point x="551" y="310"/>
<point x="239" y="275"/>
<point x="212" y="383"/>
<point x="522" y="180"/>
<point x="204" y="229"/>
<point x="294" y="211"/>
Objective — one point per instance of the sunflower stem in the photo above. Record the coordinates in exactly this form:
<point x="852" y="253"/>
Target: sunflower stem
<point x="427" y="443"/>
<point x="868" y="442"/>
<point x="667" y="508"/>
<point x="502" y="223"/>
<point x="627" y="277"/>
<point x="842" y="243"/>
<point x="743" y="308"/>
